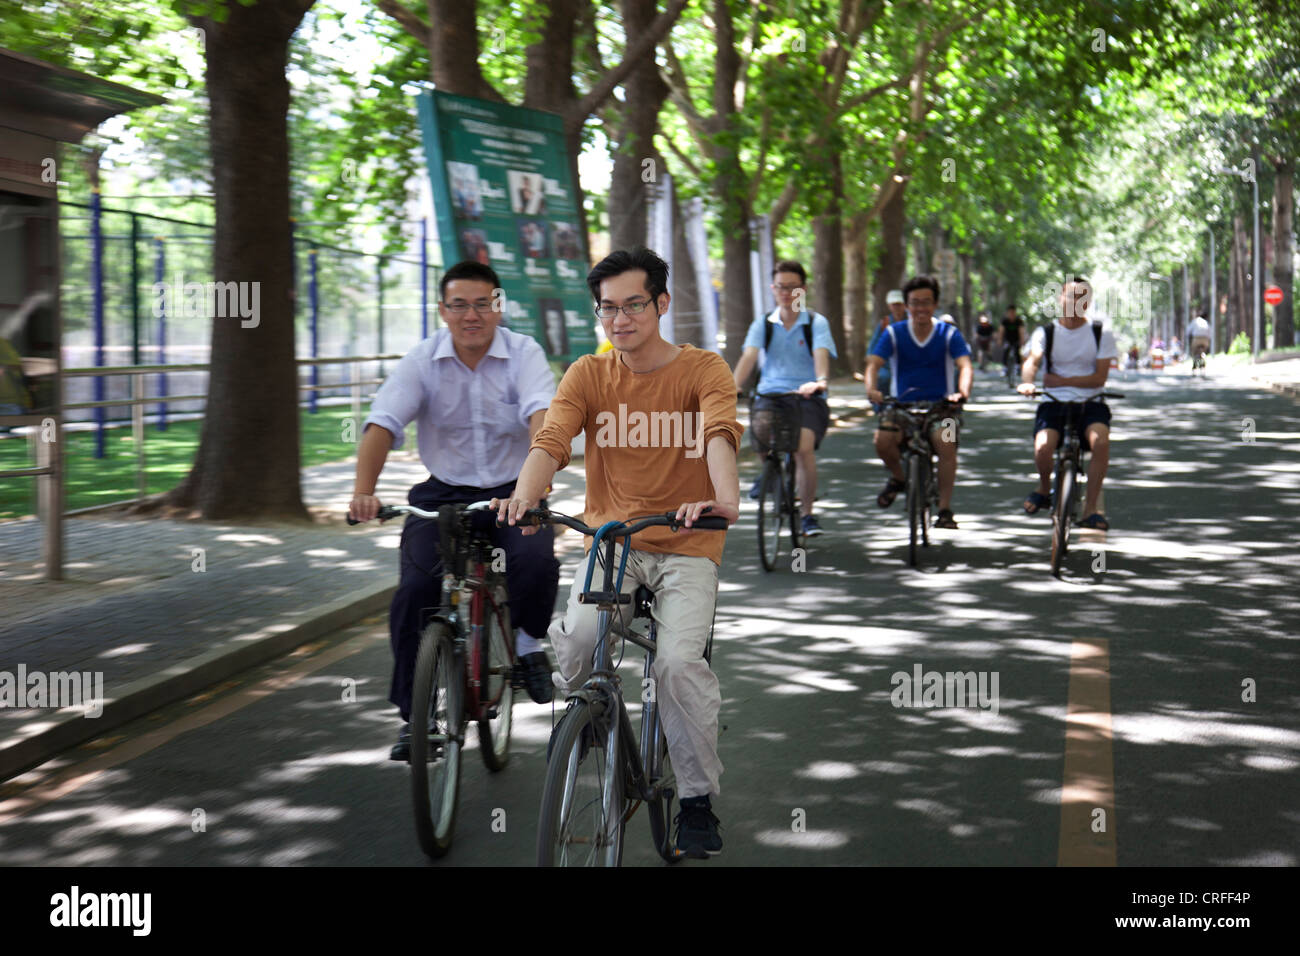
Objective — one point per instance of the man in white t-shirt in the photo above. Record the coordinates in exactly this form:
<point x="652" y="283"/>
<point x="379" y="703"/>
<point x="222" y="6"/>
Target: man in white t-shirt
<point x="1077" y="357"/>
<point x="1198" y="336"/>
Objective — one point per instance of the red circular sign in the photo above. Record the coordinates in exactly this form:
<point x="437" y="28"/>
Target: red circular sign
<point x="1273" y="295"/>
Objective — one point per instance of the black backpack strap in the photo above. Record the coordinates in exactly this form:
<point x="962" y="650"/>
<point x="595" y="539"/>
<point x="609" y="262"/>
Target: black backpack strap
<point x="809" y="337"/>
<point x="767" y="333"/>
<point x="1047" y="346"/>
<point x="1096" y="334"/>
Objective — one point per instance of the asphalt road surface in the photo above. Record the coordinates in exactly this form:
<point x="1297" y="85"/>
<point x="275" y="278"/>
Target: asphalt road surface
<point x="1141" y="711"/>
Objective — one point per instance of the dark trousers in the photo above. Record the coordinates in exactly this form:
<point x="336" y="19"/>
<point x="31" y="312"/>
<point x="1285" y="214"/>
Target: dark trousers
<point x="532" y="577"/>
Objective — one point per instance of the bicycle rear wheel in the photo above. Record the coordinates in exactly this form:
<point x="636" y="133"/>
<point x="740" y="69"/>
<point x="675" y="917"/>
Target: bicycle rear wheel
<point x="770" y="512"/>
<point x="1061" y="516"/>
<point x="436" y="717"/>
<point x="496" y="668"/>
<point x="915" y="497"/>
<point x="581" y="820"/>
<point x="661" y="776"/>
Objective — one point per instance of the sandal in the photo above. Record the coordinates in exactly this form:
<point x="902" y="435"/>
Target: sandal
<point x="887" y="495"/>
<point x="1037" y="502"/>
<point x="1096" y="521"/>
<point x="944" y="519"/>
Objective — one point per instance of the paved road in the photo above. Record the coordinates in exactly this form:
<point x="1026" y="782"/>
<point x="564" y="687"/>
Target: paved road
<point x="1119" y="696"/>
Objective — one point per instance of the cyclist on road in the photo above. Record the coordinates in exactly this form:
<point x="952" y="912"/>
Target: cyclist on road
<point x="929" y="362"/>
<point x="631" y="474"/>
<point x="1198" y="338"/>
<point x="984" y="332"/>
<point x="1011" y="337"/>
<point x="479" y="393"/>
<point x="897" y="313"/>
<point x="1076" y="360"/>
<point x="797" y="348"/>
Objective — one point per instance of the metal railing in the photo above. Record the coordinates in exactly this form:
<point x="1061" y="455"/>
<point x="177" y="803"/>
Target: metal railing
<point x="139" y="400"/>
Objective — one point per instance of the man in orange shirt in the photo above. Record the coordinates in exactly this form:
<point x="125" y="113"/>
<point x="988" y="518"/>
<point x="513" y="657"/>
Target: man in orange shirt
<point x="662" y="436"/>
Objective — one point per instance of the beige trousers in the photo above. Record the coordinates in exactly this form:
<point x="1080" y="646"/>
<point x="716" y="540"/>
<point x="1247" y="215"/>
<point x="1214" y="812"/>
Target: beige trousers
<point x="686" y="688"/>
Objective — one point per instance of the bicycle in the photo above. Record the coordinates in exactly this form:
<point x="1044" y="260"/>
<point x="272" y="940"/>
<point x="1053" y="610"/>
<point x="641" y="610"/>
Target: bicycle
<point x="580" y="829"/>
<point x="464" y="669"/>
<point x="774" y="432"/>
<point x="1069" y="473"/>
<point x="1011" y="364"/>
<point x="1198" y="360"/>
<point x="920" y="465"/>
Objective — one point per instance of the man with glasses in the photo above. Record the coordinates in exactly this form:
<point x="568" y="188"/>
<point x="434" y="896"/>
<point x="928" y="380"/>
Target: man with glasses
<point x="797" y="347"/>
<point x="632" y="473"/>
<point x="479" y="394"/>
<point x="929" y="362"/>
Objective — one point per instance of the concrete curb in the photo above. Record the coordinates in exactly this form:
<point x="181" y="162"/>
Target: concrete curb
<point x="68" y="728"/>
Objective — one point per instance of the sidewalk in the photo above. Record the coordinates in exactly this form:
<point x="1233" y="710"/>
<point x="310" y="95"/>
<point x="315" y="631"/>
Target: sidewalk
<point x="163" y="608"/>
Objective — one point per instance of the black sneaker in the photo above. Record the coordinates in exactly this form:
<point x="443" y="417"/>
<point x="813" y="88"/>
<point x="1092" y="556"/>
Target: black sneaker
<point x="534" y="670"/>
<point x="810" y="527"/>
<point x="756" y="488"/>
<point x="697" y="829"/>
<point x="402" y="749"/>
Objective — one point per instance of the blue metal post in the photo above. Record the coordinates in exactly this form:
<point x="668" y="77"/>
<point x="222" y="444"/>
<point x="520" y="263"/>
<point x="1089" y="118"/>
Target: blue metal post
<point x="424" y="278"/>
<point x="97" y="309"/>
<point x="159" y="270"/>
<point x="315" y="317"/>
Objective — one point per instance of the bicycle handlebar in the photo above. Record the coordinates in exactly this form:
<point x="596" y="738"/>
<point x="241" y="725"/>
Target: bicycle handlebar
<point x="393" y="511"/>
<point x="1039" y="393"/>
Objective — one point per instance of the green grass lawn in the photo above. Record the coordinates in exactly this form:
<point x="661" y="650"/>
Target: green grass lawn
<point x="168" y="456"/>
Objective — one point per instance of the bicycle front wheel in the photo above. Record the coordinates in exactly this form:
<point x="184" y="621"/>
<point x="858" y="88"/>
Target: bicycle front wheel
<point x="496" y="670"/>
<point x="1061" y="516"/>
<point x="770" y="512"/>
<point x="436" y="716"/>
<point x="915" y="505"/>
<point x="796" y="520"/>
<point x="581" y="821"/>
<point x="662" y="778"/>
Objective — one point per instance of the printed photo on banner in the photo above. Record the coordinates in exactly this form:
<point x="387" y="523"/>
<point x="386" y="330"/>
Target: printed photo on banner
<point x="526" y="192"/>
<point x="557" y="336"/>
<point x="465" y="197"/>
<point x="534" y="239"/>
<point x="567" y="245"/>
<point x="473" y="245"/>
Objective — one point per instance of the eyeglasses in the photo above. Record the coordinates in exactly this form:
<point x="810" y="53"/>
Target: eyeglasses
<point x="460" y="307"/>
<point x="629" y="308"/>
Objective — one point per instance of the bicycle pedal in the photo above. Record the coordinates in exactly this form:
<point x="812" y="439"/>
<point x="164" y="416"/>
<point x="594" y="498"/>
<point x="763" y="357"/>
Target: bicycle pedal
<point x="492" y="713"/>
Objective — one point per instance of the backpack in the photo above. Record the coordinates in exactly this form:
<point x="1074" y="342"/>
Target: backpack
<point x="1048" y="331"/>
<point x="807" y="339"/>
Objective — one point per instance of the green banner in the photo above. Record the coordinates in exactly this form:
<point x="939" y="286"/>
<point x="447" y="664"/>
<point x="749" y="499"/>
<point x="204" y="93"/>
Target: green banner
<point x="503" y="196"/>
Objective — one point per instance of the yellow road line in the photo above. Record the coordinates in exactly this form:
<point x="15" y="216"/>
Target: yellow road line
<point x="77" y="776"/>
<point x="1088" y="789"/>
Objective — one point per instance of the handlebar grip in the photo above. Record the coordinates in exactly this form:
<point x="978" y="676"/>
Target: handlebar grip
<point x="709" y="523"/>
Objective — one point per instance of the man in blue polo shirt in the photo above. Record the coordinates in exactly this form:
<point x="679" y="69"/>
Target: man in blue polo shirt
<point x="797" y="347"/>
<point x="928" y="362"/>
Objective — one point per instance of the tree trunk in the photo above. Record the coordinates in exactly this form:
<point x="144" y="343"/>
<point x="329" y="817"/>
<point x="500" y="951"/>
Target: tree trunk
<point x="966" y="318"/>
<point x="828" y="265"/>
<point x="732" y="187"/>
<point x="1243" y="319"/>
<point x="1283" y="251"/>
<point x="687" y="314"/>
<point x="247" y="463"/>
<point x="645" y="92"/>
<point x="857" y="308"/>
<point x="454" y="50"/>
<point x="893" y="255"/>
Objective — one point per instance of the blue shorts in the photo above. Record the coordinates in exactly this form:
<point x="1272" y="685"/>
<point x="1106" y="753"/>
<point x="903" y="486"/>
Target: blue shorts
<point x="1052" y="415"/>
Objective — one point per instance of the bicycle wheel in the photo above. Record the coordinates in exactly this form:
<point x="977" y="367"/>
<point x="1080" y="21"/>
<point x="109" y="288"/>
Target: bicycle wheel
<point x="770" y="512"/>
<point x="915" y="495"/>
<point x="796" y="520"/>
<point x="1061" y="515"/>
<point x="581" y="821"/>
<point x="496" y="668"/>
<point x="436" y="716"/>
<point x="930" y="499"/>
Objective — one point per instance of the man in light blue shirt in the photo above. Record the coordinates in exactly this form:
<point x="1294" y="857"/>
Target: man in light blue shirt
<point x="797" y="347"/>
<point x="479" y="394"/>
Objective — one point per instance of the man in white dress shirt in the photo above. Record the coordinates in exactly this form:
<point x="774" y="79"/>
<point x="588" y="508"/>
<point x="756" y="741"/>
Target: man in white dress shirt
<point x="479" y="394"/>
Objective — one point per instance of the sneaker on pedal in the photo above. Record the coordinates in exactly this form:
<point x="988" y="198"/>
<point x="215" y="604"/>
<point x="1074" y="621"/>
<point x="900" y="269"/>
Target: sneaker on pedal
<point x="697" y="829"/>
<point x="810" y="527"/>
<point x="534" y="672"/>
<point x="756" y="488"/>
